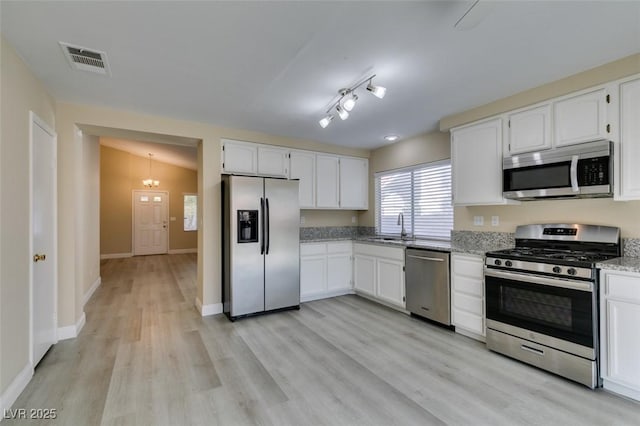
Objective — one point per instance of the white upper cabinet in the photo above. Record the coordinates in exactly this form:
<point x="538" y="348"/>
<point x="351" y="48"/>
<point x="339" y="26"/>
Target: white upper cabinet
<point x="630" y="140"/>
<point x="530" y="130"/>
<point x="580" y="118"/>
<point x="476" y="159"/>
<point x="354" y="183"/>
<point x="327" y="181"/>
<point x="273" y="161"/>
<point x="239" y="157"/>
<point x="303" y="167"/>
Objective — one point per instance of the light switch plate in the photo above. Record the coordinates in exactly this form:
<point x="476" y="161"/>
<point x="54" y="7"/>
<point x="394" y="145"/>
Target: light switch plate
<point x="495" y="220"/>
<point x="478" y="220"/>
<point x="353" y="219"/>
<point x="172" y="218"/>
<point x="301" y="220"/>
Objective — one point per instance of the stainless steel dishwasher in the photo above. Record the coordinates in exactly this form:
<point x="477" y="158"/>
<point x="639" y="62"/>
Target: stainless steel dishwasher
<point x="427" y="284"/>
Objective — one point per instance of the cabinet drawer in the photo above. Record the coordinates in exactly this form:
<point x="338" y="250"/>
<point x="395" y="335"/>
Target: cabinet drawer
<point x="339" y="247"/>
<point x="467" y="265"/>
<point x="623" y="287"/>
<point x="313" y="249"/>
<point x="468" y="303"/>
<point x="380" y="251"/>
<point x="470" y="286"/>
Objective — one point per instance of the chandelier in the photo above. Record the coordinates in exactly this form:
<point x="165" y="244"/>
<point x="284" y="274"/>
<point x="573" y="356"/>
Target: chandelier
<point x="150" y="182"/>
<point x="347" y="99"/>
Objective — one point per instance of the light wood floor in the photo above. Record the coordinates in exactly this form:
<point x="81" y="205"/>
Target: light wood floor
<point x="145" y="357"/>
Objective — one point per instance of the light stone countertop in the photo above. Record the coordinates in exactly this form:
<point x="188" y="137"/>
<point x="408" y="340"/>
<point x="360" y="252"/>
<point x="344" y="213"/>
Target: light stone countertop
<point x="626" y="264"/>
<point x="437" y="245"/>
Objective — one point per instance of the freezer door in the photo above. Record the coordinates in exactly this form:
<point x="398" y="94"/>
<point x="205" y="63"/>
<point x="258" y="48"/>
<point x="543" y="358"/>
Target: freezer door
<point x="246" y="266"/>
<point x="282" y="244"/>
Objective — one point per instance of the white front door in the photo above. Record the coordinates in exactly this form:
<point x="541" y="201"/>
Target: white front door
<point x="150" y="227"/>
<point x="43" y="239"/>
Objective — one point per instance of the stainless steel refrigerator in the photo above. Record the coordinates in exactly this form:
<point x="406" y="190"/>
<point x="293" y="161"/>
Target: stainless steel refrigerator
<point x="260" y="245"/>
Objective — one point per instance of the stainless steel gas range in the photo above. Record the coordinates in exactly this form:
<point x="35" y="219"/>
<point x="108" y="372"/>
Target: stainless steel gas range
<point x="542" y="297"/>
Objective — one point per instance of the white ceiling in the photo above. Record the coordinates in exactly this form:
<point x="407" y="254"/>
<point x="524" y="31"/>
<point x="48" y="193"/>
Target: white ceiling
<point x="274" y="67"/>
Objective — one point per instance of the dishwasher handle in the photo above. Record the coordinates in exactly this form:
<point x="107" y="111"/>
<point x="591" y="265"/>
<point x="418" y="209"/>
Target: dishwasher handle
<point x="433" y="259"/>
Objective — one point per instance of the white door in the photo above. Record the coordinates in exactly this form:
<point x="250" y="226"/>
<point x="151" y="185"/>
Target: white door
<point x="273" y="161"/>
<point x="530" y="130"/>
<point x="390" y="281"/>
<point x="581" y="118"/>
<point x="364" y="274"/>
<point x="43" y="239"/>
<point x="239" y="157"/>
<point x="303" y="167"/>
<point x="150" y="228"/>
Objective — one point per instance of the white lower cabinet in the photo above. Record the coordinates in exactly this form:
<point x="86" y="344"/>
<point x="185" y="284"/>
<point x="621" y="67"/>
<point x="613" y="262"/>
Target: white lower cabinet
<point x="467" y="295"/>
<point x="619" y="335"/>
<point x="379" y="273"/>
<point x="325" y="270"/>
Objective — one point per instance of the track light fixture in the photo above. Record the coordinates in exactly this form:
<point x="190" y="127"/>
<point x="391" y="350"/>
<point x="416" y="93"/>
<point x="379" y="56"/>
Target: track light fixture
<point x="347" y="99"/>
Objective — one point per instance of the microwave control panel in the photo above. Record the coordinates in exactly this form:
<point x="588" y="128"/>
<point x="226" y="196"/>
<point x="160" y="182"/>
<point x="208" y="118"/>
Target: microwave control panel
<point x="594" y="171"/>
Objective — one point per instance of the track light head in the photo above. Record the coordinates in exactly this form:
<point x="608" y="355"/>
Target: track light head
<point x="342" y="113"/>
<point x="377" y="91"/>
<point x="326" y="120"/>
<point x="349" y="101"/>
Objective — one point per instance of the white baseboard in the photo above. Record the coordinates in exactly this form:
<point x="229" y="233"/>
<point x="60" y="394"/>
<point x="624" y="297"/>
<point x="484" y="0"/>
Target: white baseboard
<point x="622" y="389"/>
<point x="115" y="255"/>
<point x="326" y="294"/>
<point x="72" y="331"/>
<point x="183" y="251"/>
<point x="14" y="390"/>
<point x="206" y="310"/>
<point x="92" y="289"/>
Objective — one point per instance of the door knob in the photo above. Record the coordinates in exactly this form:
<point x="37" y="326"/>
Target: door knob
<point x="37" y="257"/>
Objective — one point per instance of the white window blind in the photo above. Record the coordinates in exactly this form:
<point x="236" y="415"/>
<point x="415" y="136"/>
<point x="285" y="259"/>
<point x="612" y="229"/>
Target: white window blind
<point x="423" y="194"/>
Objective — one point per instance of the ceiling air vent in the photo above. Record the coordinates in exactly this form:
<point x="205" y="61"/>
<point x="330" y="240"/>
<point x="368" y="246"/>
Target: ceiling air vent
<point x="84" y="59"/>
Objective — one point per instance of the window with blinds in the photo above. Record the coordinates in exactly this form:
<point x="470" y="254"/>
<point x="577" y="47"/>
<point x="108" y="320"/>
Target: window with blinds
<point x="422" y="194"/>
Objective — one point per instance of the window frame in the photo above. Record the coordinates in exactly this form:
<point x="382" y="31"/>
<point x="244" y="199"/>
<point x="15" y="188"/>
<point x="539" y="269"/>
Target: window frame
<point x="410" y="224"/>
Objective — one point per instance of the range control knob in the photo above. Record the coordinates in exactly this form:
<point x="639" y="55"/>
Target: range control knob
<point x="571" y="271"/>
<point x="508" y="263"/>
<point x="497" y="262"/>
<point x="557" y="269"/>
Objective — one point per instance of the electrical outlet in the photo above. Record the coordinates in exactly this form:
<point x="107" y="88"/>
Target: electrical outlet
<point x="495" y="220"/>
<point x="478" y="220"/>
<point x="302" y="220"/>
<point x="172" y="218"/>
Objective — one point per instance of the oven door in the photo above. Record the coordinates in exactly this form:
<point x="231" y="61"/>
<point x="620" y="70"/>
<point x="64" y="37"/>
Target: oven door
<point x="562" y="309"/>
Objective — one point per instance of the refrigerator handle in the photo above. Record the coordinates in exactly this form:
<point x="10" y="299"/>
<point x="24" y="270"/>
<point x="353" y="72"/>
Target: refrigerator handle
<point x="268" y="228"/>
<point x="262" y="225"/>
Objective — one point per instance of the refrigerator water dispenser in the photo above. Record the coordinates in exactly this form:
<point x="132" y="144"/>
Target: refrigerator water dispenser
<point x="247" y="226"/>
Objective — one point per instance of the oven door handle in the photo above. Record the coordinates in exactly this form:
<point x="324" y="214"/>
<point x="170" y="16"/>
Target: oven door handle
<point x="536" y="279"/>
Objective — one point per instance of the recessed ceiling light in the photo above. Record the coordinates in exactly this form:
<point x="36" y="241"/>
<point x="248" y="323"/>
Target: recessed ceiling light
<point x="391" y="138"/>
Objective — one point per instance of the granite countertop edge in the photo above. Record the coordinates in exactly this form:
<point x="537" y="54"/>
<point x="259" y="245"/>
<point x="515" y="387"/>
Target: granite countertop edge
<point x="445" y="246"/>
<point x="625" y="264"/>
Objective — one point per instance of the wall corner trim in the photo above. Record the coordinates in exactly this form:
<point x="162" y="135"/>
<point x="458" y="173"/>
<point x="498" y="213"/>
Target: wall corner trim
<point x="115" y="255"/>
<point x="206" y="310"/>
<point x="13" y="391"/>
<point x="72" y="331"/>
<point x="92" y="289"/>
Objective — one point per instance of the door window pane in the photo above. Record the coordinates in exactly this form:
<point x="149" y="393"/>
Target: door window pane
<point x="190" y="212"/>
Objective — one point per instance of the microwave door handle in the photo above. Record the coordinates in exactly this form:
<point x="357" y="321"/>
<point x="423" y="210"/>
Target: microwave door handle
<point x="573" y="171"/>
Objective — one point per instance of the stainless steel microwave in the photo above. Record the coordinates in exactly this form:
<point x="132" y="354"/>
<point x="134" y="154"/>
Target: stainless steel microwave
<point x="576" y="171"/>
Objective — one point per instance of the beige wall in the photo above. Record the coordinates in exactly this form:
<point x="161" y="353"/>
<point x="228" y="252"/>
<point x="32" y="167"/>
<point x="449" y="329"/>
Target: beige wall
<point x="90" y="211"/>
<point x="20" y="92"/>
<point x="120" y="174"/>
<point x="602" y="211"/>
<point x="423" y="148"/>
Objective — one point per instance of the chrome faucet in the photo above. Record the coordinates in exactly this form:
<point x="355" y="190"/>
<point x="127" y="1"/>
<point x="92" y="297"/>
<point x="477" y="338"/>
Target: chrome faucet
<point x="403" y="232"/>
